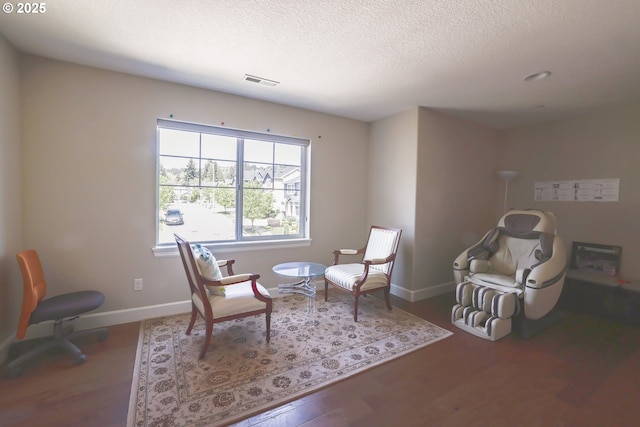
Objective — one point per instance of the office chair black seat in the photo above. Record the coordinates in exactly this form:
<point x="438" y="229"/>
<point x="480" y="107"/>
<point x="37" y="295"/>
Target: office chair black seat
<point x="66" y="305"/>
<point x="61" y="308"/>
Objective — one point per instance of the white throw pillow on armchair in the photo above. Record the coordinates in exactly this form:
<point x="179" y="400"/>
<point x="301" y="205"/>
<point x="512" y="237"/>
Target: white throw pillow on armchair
<point x="208" y="267"/>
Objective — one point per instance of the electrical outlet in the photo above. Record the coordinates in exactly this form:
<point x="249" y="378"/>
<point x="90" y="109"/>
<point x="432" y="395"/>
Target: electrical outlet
<point x="137" y="284"/>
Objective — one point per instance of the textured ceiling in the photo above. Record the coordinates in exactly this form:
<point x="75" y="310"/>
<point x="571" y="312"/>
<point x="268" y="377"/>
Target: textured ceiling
<point x="362" y="59"/>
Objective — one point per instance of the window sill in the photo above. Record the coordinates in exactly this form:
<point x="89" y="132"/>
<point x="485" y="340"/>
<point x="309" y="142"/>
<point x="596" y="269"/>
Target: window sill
<point x="219" y="248"/>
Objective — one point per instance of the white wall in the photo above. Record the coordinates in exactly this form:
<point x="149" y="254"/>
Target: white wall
<point x="602" y="145"/>
<point x="10" y="192"/>
<point x="89" y="188"/>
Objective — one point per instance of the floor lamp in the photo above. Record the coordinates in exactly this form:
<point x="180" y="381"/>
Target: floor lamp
<point x="506" y="177"/>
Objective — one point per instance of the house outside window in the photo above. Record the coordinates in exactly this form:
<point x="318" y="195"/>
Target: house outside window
<point x="222" y="185"/>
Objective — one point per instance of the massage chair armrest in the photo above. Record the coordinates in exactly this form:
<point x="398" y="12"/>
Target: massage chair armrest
<point x="479" y="266"/>
<point x="472" y="260"/>
<point x="478" y="252"/>
<point x="461" y="263"/>
<point x="549" y="271"/>
<point x="460" y="267"/>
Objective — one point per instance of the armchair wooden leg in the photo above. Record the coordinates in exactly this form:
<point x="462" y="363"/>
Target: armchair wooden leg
<point x="387" y="298"/>
<point x="193" y="319"/>
<point x="355" y="309"/>
<point x="326" y="290"/>
<point x="268" y="327"/>
<point x="207" y="339"/>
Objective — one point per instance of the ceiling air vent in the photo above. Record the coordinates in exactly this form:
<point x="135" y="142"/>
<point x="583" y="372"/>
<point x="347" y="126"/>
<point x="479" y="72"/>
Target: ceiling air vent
<point x="260" y="80"/>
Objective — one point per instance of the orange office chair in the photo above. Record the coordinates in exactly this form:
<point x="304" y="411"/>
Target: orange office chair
<point x="36" y="309"/>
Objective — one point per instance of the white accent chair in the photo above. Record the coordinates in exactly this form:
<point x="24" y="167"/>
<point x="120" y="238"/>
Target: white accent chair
<point x="243" y="296"/>
<point x="512" y="278"/>
<point x="372" y="273"/>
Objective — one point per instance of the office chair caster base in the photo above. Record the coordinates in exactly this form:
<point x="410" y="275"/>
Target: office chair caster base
<point x="13" y="352"/>
<point x="80" y="359"/>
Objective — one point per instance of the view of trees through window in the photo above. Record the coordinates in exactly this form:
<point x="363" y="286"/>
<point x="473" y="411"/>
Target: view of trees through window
<point x="219" y="184"/>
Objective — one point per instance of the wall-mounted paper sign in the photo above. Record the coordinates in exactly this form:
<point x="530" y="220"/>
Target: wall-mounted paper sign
<point x="579" y="190"/>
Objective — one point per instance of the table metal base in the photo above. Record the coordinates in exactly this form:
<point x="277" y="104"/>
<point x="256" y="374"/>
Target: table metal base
<point x="306" y="287"/>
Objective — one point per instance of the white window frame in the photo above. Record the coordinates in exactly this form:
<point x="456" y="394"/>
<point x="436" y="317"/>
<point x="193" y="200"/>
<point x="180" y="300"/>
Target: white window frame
<point x="243" y="242"/>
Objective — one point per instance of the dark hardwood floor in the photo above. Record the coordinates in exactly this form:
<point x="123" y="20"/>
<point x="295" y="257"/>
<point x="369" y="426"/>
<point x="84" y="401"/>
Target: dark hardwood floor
<point x="584" y="371"/>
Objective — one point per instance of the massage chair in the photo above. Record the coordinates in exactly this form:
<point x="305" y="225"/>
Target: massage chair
<point x="512" y="278"/>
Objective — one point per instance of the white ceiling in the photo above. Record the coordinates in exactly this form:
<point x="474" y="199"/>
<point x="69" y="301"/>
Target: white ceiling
<point x="362" y="59"/>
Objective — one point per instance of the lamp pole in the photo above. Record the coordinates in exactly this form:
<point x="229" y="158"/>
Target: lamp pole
<point x="506" y="175"/>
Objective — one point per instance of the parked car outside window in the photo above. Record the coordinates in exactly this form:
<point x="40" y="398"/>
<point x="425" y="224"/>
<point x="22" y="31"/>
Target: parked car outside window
<point x="173" y="217"/>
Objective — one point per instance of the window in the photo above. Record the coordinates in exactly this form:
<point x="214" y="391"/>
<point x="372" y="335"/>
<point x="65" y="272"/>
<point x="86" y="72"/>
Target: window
<point x="227" y="185"/>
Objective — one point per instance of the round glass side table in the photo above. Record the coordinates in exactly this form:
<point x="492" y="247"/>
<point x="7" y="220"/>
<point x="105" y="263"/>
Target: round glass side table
<point x="307" y="272"/>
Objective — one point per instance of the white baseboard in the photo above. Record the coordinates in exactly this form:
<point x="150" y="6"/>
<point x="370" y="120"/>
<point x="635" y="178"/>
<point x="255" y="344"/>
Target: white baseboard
<point x="117" y="317"/>
<point x="420" y="294"/>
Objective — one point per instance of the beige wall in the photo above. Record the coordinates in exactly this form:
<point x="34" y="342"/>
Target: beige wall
<point x="603" y="145"/>
<point x="392" y="185"/>
<point x="434" y="176"/>
<point x="10" y="191"/>
<point x="89" y="188"/>
<point x="456" y="192"/>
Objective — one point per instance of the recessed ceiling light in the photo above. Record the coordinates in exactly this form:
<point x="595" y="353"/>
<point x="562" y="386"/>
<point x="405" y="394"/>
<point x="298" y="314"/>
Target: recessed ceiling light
<point x="538" y="76"/>
<point x="260" y="80"/>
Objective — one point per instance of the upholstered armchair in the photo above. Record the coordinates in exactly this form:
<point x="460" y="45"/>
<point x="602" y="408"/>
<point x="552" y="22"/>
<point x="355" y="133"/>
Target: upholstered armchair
<point x="216" y="298"/>
<point x="372" y="273"/>
<point x="513" y="276"/>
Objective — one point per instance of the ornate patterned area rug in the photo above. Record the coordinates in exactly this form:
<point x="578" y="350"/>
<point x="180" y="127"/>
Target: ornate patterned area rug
<point x="242" y="375"/>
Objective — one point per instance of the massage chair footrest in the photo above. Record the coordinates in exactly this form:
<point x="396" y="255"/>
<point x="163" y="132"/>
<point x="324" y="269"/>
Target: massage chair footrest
<point x="483" y="311"/>
<point x="480" y="323"/>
